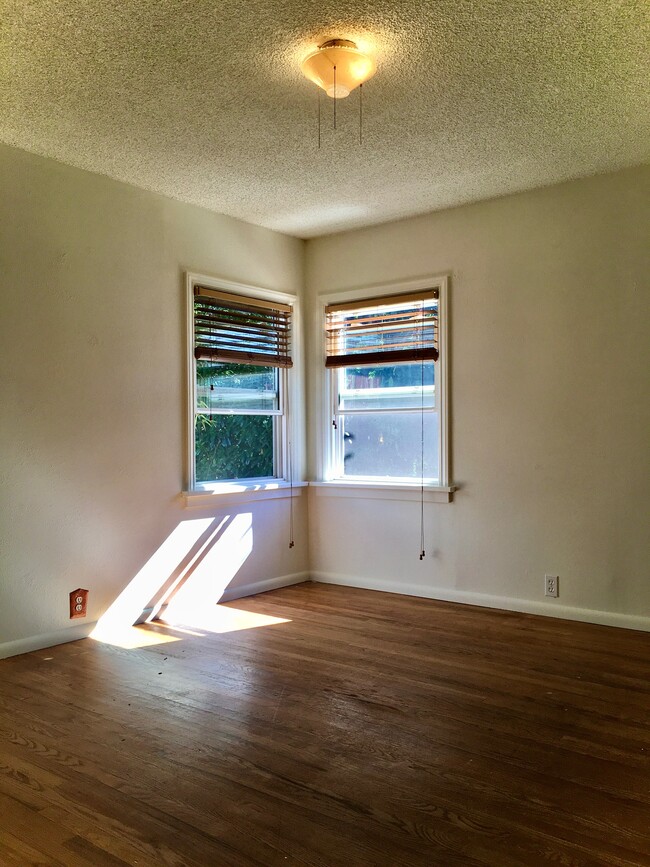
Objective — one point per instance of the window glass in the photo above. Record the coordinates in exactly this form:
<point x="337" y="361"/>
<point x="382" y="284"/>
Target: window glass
<point x="230" y="386"/>
<point x="233" y="447"/>
<point x="386" y="422"/>
<point x="395" y="386"/>
<point x="388" y="444"/>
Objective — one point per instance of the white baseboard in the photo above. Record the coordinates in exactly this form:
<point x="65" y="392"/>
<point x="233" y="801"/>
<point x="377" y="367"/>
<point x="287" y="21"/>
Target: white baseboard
<point x="74" y="633"/>
<point x="48" y="639"/>
<point x="507" y="603"/>
<point x="242" y="590"/>
<point x="239" y="592"/>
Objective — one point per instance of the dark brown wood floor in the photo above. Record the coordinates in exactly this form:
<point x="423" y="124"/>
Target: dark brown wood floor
<point x="371" y="729"/>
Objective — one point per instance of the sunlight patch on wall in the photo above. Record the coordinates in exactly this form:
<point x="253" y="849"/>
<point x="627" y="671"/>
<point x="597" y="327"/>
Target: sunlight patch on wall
<point x="211" y="574"/>
<point x="115" y="626"/>
<point x="181" y="584"/>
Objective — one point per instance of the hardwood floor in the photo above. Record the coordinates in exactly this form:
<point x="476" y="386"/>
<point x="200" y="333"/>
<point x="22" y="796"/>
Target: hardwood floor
<point x="369" y="729"/>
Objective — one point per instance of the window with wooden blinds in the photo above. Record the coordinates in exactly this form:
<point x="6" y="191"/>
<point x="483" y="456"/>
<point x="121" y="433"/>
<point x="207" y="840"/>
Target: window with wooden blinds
<point x="386" y="330"/>
<point x="230" y="327"/>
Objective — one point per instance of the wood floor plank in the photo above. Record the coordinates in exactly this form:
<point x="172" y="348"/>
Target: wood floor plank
<point x="368" y="729"/>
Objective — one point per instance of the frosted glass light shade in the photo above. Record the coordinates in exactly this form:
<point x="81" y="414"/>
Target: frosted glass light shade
<point x="353" y="67"/>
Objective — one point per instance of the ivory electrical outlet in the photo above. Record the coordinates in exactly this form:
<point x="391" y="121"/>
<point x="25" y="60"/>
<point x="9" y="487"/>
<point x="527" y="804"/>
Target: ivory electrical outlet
<point x="552" y="585"/>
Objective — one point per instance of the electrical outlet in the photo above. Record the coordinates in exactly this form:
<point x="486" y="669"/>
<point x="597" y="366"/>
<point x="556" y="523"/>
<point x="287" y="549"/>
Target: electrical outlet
<point x="78" y="603"/>
<point x="552" y="585"/>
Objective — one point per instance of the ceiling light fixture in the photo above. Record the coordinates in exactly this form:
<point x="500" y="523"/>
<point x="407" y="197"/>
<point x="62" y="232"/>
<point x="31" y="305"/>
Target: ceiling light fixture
<point x="338" y="67"/>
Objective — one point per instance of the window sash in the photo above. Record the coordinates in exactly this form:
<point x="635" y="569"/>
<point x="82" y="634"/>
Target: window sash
<point x="280" y="443"/>
<point x="338" y="445"/>
<point x="337" y="464"/>
<point x="279" y="460"/>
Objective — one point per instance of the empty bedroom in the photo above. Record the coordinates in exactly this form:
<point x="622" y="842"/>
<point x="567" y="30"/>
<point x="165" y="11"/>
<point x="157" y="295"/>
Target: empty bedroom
<point x="324" y="434"/>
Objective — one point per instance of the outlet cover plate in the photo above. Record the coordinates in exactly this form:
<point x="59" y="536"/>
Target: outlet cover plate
<point x="78" y="603"/>
<point x="552" y="586"/>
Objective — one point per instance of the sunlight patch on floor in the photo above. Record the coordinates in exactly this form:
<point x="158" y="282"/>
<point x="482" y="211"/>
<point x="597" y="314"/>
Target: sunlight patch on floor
<point x="131" y="637"/>
<point x="220" y="618"/>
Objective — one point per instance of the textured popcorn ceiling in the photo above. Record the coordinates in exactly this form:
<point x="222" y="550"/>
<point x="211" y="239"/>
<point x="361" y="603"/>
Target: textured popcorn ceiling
<point x="205" y="102"/>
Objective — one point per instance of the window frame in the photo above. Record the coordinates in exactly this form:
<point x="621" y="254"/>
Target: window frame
<point x="327" y="459"/>
<point x="284" y="421"/>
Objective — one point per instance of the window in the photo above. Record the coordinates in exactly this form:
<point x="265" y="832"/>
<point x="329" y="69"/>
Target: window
<point x="241" y="353"/>
<point x="386" y="388"/>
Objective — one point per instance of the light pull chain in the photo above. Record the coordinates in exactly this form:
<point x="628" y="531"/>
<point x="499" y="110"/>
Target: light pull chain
<point x="361" y="114"/>
<point x="335" y="112"/>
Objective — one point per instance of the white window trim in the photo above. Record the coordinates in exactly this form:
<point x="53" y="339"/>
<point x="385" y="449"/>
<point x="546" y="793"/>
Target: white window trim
<point x="234" y="493"/>
<point x="383" y="491"/>
<point x="437" y="493"/>
<point x="289" y="456"/>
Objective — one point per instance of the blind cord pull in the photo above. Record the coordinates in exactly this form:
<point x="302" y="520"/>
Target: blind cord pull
<point x="290" y="462"/>
<point x="291" y="542"/>
<point x="422" y="551"/>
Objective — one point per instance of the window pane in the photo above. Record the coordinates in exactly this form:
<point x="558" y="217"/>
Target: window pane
<point x="223" y="386"/>
<point x="389" y="386"/>
<point x="388" y="444"/>
<point x="233" y="447"/>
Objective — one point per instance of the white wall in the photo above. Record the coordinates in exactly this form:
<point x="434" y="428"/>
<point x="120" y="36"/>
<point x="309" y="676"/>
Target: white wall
<point x="92" y="387"/>
<point x="548" y="369"/>
<point x="549" y="366"/>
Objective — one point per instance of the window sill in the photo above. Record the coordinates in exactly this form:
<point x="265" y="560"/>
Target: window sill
<point x="232" y="493"/>
<point x="383" y="491"/>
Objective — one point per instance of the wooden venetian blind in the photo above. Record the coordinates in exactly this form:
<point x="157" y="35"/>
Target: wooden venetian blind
<point x="231" y="327"/>
<point x="383" y="330"/>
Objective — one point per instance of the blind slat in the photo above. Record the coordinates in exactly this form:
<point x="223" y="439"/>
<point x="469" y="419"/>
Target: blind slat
<point x="376" y="358"/>
<point x="385" y="300"/>
<point x="230" y="327"/>
<point x="384" y="330"/>
<point x="240" y="302"/>
<point x="254" y="358"/>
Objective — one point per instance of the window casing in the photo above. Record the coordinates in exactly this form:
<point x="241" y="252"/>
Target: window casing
<point x="240" y="358"/>
<point x="386" y="379"/>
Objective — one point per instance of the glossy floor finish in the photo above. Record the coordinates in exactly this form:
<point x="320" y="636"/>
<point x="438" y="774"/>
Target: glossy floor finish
<point x="343" y="727"/>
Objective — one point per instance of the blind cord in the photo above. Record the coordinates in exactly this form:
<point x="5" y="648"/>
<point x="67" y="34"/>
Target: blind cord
<point x="289" y="462"/>
<point x="422" y="551"/>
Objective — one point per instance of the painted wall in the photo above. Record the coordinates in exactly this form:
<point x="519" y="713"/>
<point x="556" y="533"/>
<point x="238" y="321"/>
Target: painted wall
<point x="549" y="365"/>
<point x="550" y="418"/>
<point x="92" y="391"/>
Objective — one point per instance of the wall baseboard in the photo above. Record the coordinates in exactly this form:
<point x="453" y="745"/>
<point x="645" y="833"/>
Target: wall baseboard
<point x="241" y="591"/>
<point x="74" y="633"/>
<point x="264" y="586"/>
<point x="484" y="600"/>
<point x="48" y="639"/>
<point x="507" y="603"/>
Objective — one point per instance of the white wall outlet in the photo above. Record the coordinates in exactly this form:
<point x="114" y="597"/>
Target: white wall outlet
<point x="552" y="585"/>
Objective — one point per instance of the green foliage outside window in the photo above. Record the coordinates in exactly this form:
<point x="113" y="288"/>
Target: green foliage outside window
<point x="231" y="446"/>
